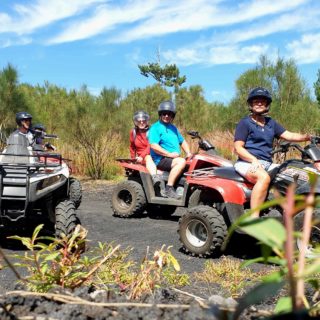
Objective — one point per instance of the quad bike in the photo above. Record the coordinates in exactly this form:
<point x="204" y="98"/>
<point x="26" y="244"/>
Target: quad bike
<point x="224" y="195"/>
<point x="137" y="194"/>
<point x="35" y="186"/>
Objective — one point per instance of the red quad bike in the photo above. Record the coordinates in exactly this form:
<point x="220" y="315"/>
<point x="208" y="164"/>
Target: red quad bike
<point x="224" y="195"/>
<point x="136" y="194"/>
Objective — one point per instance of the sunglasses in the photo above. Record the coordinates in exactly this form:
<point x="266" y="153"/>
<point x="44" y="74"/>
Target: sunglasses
<point x="167" y="113"/>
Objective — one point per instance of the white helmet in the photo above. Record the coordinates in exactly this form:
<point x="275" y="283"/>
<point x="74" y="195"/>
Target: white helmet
<point x="140" y="115"/>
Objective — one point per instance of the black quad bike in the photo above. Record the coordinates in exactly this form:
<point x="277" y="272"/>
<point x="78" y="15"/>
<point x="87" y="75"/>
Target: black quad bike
<point x="224" y="195"/>
<point x="36" y="187"/>
<point x="137" y="193"/>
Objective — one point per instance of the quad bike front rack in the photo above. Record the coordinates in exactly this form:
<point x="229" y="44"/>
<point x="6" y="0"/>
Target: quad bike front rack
<point x="15" y="172"/>
<point x="201" y="173"/>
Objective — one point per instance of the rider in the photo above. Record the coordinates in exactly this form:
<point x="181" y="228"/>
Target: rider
<point x="165" y="140"/>
<point x="39" y="131"/>
<point x="253" y="143"/>
<point x="139" y="144"/>
<point x="24" y="121"/>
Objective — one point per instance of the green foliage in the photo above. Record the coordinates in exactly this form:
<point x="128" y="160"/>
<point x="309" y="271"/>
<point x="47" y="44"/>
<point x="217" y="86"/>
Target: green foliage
<point x="316" y="87"/>
<point x="292" y="105"/>
<point x="168" y="75"/>
<point x="11" y="98"/>
<point x="62" y="263"/>
<point x="279" y="240"/>
<point x="94" y="129"/>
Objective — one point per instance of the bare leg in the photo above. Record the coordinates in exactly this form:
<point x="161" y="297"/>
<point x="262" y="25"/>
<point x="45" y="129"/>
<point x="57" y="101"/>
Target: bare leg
<point x="260" y="189"/>
<point x="177" y="167"/>
<point x="151" y="167"/>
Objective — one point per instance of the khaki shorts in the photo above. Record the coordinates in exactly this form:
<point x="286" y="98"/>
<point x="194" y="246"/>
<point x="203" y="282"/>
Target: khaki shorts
<point x="242" y="167"/>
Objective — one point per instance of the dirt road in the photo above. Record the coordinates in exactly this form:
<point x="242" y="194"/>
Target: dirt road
<point x="96" y="216"/>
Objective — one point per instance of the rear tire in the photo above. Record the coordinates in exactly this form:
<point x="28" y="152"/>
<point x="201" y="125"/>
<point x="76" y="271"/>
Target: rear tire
<point x="160" y="211"/>
<point x="128" y="199"/>
<point x="65" y="218"/>
<point x="202" y="231"/>
<point x="75" y="192"/>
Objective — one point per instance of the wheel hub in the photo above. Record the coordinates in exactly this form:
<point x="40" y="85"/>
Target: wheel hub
<point x="125" y="198"/>
<point x="197" y="233"/>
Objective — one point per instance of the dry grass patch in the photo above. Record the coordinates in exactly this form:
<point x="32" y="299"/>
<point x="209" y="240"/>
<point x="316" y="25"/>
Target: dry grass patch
<point x="230" y="275"/>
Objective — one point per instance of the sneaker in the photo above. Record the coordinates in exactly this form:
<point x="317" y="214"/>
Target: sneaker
<point x="156" y="179"/>
<point x="169" y="192"/>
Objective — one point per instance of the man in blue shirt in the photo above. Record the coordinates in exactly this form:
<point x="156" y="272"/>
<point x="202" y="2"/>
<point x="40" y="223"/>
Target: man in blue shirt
<point x="253" y="143"/>
<point x="165" y="141"/>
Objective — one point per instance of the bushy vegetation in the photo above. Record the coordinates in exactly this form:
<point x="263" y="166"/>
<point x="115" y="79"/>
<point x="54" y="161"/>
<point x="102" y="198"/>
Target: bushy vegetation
<point x="94" y="130"/>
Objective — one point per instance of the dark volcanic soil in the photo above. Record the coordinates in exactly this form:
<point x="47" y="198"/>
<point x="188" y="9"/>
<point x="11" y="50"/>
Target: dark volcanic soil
<point x="96" y="216"/>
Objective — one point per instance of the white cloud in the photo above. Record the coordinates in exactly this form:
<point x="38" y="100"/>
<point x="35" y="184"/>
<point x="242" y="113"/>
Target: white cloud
<point x="105" y="18"/>
<point x="29" y="18"/>
<point x="303" y="19"/>
<point x="306" y="49"/>
<point x="202" y="14"/>
<point x="15" y="42"/>
<point x="219" y="55"/>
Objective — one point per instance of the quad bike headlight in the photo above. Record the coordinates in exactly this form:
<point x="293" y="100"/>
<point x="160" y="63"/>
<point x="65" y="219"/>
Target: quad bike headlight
<point x="48" y="182"/>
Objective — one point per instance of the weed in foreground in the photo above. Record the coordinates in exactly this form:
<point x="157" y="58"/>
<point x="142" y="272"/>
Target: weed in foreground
<point x="230" y="276"/>
<point x="62" y="263"/>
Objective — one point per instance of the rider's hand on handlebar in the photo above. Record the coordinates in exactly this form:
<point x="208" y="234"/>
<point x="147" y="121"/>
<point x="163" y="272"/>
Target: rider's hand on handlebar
<point x="189" y="155"/>
<point x="139" y="159"/>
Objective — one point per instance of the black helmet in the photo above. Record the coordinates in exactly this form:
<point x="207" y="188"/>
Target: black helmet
<point x="167" y="106"/>
<point x="140" y="115"/>
<point x="22" y="116"/>
<point x="259" y="92"/>
<point x="39" y="126"/>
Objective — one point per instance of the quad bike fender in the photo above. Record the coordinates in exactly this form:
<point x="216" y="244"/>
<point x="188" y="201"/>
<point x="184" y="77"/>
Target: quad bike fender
<point x="231" y="191"/>
<point x="39" y="189"/>
<point x="134" y="166"/>
<point x="204" y="160"/>
<point x="234" y="211"/>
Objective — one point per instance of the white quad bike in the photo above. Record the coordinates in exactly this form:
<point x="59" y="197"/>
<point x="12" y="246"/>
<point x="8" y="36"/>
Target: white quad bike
<point x="36" y="187"/>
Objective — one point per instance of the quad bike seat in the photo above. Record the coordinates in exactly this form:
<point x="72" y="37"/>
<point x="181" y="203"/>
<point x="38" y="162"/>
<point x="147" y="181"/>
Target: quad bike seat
<point x="228" y="173"/>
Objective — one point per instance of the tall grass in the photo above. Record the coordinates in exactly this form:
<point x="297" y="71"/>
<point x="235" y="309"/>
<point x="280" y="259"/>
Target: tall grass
<point x="97" y="162"/>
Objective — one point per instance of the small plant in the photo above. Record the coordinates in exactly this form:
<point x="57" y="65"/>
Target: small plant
<point x="161" y="270"/>
<point x="278" y="243"/>
<point x="58" y="263"/>
<point x="230" y="275"/>
<point x="62" y="263"/>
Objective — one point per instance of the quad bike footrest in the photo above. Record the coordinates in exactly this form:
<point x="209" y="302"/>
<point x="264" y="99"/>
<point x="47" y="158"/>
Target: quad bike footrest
<point x="169" y="201"/>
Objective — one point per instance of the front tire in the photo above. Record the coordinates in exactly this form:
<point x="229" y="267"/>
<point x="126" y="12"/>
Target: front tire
<point x="75" y="192"/>
<point x="128" y="199"/>
<point x="65" y="218"/>
<point x="202" y="231"/>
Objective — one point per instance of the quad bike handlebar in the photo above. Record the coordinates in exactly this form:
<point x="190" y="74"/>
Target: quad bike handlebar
<point x="310" y="151"/>
<point x="203" y="144"/>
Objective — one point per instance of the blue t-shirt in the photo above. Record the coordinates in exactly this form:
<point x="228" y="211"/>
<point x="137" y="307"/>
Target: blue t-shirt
<point x="165" y="135"/>
<point x="258" y="140"/>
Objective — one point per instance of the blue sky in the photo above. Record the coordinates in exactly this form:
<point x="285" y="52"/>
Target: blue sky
<point x="100" y="42"/>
